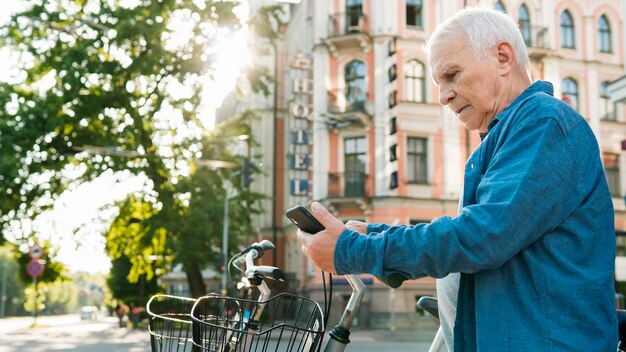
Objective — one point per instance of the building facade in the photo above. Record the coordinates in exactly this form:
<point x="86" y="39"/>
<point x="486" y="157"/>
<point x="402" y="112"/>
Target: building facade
<point x="355" y="121"/>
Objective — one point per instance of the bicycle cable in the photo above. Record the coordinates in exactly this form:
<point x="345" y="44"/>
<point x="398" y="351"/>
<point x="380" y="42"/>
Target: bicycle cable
<point x="328" y="298"/>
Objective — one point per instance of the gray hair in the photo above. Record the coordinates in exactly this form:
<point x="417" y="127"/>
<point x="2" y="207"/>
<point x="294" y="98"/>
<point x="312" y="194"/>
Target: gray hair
<point x="484" y="29"/>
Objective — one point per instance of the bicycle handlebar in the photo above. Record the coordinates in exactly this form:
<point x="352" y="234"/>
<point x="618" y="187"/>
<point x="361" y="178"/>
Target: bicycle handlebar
<point x="255" y="273"/>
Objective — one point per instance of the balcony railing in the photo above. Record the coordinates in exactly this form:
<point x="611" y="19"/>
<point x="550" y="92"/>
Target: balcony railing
<point x="538" y="42"/>
<point x="347" y="185"/>
<point x="346" y="100"/>
<point x="538" y="38"/>
<point x="347" y="23"/>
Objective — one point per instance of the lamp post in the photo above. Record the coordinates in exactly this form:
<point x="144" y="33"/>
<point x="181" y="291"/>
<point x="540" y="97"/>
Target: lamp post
<point x="227" y="191"/>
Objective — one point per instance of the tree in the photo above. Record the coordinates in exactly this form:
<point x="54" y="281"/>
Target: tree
<point x="14" y="286"/>
<point x="135" y="293"/>
<point x="107" y="85"/>
<point x="193" y="237"/>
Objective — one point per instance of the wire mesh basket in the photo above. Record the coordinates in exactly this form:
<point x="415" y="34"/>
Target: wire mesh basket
<point x="170" y="323"/>
<point x="285" y="322"/>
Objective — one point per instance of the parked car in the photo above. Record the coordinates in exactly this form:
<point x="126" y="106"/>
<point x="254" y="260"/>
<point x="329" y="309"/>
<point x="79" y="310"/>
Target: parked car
<point x="89" y="313"/>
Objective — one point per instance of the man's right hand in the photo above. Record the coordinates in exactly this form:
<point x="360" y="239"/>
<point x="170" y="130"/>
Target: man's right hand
<point x="320" y="247"/>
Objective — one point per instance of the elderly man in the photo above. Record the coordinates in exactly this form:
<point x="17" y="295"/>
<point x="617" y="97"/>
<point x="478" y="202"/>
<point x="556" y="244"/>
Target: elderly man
<point x="530" y="254"/>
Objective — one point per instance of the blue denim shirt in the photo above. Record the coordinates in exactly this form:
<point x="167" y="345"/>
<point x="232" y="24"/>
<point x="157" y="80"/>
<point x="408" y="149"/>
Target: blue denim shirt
<point x="536" y="229"/>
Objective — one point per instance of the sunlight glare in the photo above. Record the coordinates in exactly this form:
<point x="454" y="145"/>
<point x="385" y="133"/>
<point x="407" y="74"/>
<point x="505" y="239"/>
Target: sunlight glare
<point x="231" y="56"/>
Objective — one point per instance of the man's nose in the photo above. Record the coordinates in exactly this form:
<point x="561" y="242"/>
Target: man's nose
<point x="445" y="94"/>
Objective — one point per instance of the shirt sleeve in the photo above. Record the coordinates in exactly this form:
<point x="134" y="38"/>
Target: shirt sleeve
<point x="374" y="228"/>
<point x="529" y="187"/>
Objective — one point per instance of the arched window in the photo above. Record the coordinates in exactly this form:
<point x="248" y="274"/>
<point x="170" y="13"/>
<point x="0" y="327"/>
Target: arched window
<point x="567" y="30"/>
<point x="606" y="107"/>
<point x="524" y="24"/>
<point x="355" y="83"/>
<point x="500" y="6"/>
<point x="414" y="13"/>
<point x="414" y="81"/>
<point x="604" y="34"/>
<point x="570" y="92"/>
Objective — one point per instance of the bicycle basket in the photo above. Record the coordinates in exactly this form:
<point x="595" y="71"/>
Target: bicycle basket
<point x="285" y="322"/>
<point x="170" y="323"/>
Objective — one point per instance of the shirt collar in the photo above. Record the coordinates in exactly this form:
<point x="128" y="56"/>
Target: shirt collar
<point x="537" y="87"/>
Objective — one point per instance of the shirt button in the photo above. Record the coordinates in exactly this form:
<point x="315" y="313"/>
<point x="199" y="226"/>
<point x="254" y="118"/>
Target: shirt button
<point x="471" y="165"/>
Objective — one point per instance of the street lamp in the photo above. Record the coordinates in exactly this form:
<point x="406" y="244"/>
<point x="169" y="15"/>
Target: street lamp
<point x="227" y="190"/>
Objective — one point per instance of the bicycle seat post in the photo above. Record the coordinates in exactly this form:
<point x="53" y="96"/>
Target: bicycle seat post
<point x="340" y="335"/>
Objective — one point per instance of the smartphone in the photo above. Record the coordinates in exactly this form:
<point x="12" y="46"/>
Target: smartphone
<point x="302" y="218"/>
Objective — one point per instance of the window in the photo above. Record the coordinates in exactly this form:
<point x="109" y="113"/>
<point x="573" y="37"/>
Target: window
<point x="500" y="7"/>
<point x="604" y="35"/>
<point x="355" y="85"/>
<point x="414" y="79"/>
<point x="606" y="106"/>
<point x="354" y="11"/>
<point x="417" y="160"/>
<point x="355" y="156"/>
<point x="567" y="30"/>
<point x="611" y="169"/>
<point x="524" y="24"/>
<point x="570" y="92"/>
<point x="414" y="13"/>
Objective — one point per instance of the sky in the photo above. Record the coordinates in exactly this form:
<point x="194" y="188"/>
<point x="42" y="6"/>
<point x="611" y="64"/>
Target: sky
<point x="76" y="223"/>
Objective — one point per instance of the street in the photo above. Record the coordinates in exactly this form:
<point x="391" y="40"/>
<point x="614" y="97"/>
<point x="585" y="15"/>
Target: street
<point x="69" y="333"/>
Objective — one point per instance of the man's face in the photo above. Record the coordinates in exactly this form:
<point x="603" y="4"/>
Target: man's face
<point x="471" y="88"/>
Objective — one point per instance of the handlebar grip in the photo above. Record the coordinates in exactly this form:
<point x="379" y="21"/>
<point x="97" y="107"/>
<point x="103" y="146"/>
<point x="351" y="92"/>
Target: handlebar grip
<point x="270" y="272"/>
<point x="395" y="280"/>
<point x="260" y="247"/>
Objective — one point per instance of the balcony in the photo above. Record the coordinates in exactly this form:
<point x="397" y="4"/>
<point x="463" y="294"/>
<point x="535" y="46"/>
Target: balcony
<point x="539" y="43"/>
<point x="348" y="32"/>
<point x="347" y="185"/>
<point x="348" y="191"/>
<point x="347" y="107"/>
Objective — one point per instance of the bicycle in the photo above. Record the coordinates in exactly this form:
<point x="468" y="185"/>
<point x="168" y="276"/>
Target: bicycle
<point x="429" y="304"/>
<point x="284" y="322"/>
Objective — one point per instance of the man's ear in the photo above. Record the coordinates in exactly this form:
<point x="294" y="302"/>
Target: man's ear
<point x="506" y="57"/>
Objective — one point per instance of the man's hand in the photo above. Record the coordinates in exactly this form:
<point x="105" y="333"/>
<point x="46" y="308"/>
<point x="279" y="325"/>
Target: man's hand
<point x="320" y="247"/>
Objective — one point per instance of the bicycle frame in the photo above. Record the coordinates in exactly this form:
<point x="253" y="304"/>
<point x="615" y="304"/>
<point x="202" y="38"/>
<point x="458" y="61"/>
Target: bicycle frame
<point x="339" y="336"/>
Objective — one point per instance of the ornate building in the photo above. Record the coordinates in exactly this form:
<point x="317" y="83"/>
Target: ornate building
<point x="355" y="121"/>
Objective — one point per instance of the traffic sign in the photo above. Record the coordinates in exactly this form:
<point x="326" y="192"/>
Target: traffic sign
<point x="35" y="252"/>
<point x="34" y="268"/>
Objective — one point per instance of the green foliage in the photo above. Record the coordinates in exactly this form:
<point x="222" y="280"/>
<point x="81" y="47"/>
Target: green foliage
<point x="14" y="286"/>
<point x="136" y="293"/>
<point x="269" y="23"/>
<point x="141" y="235"/>
<point x="35" y="298"/>
<point x="61" y="297"/>
<point x="96" y="79"/>
<point x="111" y="86"/>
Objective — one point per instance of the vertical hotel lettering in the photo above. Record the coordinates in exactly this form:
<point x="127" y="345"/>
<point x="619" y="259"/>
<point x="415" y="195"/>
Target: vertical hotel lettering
<point x="299" y="111"/>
